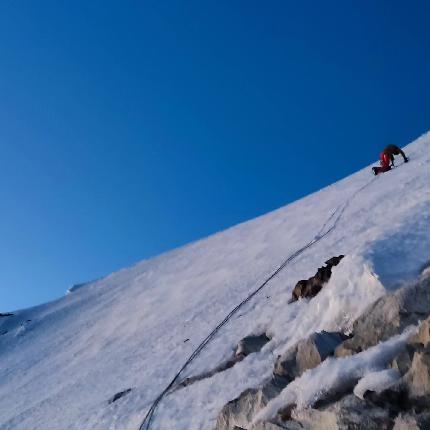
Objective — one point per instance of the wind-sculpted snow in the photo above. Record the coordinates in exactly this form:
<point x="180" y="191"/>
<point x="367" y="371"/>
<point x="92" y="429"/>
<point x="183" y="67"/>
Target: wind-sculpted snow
<point x="128" y="330"/>
<point x="376" y="381"/>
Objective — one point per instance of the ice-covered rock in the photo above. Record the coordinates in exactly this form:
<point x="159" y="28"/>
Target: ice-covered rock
<point x="348" y="413"/>
<point x="241" y="411"/>
<point x="304" y="355"/>
<point x="308" y="353"/>
<point x="388" y="316"/>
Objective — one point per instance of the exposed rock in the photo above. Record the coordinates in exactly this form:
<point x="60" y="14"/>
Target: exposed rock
<point x="307" y="354"/>
<point x="412" y="392"/>
<point x="377" y="382"/>
<point x="344" y="350"/>
<point x="220" y="368"/>
<point x="412" y="422"/>
<point x="246" y="346"/>
<point x="388" y="316"/>
<point x="251" y="344"/>
<point x="404" y="398"/>
<point x="241" y="411"/>
<point x="417" y="379"/>
<point x="334" y="261"/>
<point x="403" y="361"/>
<point x="348" y="413"/>
<point x="284" y="414"/>
<point x="6" y="315"/>
<point x="393" y="399"/>
<point x="292" y="425"/>
<point x="119" y="395"/>
<point x="312" y="286"/>
<point x="422" y="337"/>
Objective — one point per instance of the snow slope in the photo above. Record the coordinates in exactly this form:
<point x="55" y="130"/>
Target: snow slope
<point x="61" y="362"/>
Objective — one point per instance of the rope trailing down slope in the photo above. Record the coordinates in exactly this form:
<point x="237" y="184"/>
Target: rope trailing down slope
<point x="323" y="232"/>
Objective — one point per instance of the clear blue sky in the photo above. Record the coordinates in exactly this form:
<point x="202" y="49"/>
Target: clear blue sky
<point x="128" y="128"/>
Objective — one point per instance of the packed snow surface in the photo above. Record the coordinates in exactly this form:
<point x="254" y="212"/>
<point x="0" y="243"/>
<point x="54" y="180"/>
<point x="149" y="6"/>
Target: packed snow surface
<point x="61" y="363"/>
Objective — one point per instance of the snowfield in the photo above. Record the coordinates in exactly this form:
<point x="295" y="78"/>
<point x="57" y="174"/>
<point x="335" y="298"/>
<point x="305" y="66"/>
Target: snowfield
<point x="61" y="363"/>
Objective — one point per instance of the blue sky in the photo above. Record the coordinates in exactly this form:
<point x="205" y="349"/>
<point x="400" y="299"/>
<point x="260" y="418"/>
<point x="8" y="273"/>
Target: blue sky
<point x="129" y="128"/>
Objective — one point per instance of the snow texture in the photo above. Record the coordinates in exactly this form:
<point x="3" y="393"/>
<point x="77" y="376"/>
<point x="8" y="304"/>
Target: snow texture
<point x="61" y="362"/>
<point x="376" y="381"/>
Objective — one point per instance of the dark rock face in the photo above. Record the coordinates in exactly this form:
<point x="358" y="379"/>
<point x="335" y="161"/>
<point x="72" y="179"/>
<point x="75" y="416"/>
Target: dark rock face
<point x="6" y="315"/>
<point x="119" y="395"/>
<point x="393" y="399"/>
<point x="334" y="261"/>
<point x="312" y="286"/>
<point x="412" y="422"/>
<point x="388" y="316"/>
<point x="251" y="344"/>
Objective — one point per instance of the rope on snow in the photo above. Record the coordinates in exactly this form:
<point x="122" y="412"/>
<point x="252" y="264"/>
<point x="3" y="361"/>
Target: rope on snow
<point x="146" y="423"/>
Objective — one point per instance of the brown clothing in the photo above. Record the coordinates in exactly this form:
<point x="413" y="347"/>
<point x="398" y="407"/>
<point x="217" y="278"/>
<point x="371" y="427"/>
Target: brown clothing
<point x="392" y="150"/>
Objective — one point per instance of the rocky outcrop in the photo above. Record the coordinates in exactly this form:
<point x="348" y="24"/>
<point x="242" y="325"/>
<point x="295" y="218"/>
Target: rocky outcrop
<point x="311" y="287"/>
<point x="307" y="354"/>
<point x="402" y="403"/>
<point x="241" y="411"/>
<point x="412" y="391"/>
<point x="412" y="422"/>
<point x="388" y="316"/>
<point x="247" y="345"/>
<point x="403" y="361"/>
<point x="417" y="379"/>
<point x="6" y="315"/>
<point x="347" y="413"/>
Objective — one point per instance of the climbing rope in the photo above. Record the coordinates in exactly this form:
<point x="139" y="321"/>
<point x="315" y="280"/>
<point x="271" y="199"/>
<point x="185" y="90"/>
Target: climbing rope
<point x="336" y="215"/>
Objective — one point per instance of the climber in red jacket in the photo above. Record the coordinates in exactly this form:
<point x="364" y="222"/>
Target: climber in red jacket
<point x="387" y="159"/>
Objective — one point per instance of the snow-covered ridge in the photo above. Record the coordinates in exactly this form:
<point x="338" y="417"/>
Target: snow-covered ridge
<point x="130" y="329"/>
